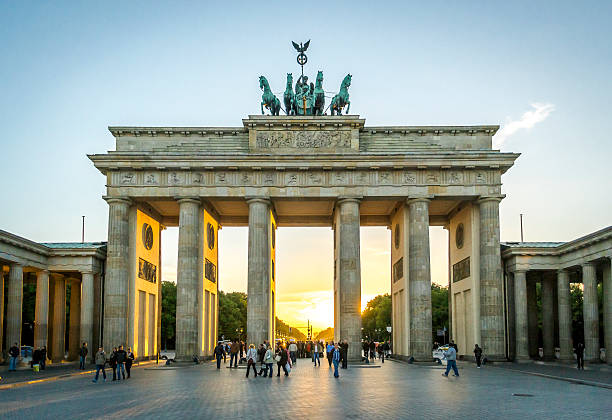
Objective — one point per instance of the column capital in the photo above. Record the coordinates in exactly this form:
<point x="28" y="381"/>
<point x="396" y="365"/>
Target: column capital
<point x="258" y="199"/>
<point x="588" y="264"/>
<point x="356" y="199"/>
<point x="119" y="200"/>
<point x="15" y="265"/>
<point x="87" y="272"/>
<point x="55" y="275"/>
<point x="562" y="271"/>
<point x="195" y="200"/>
<point x="486" y="198"/>
<point x="519" y="270"/>
<point x="419" y="199"/>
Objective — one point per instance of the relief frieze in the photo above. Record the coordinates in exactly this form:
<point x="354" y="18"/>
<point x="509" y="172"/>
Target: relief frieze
<point x="303" y="140"/>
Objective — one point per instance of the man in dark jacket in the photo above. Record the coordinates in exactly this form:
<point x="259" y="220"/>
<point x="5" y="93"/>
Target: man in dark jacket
<point x="128" y="361"/>
<point x="82" y="356"/>
<point x="219" y="353"/>
<point x="14" y="356"/>
<point x="43" y="357"/>
<point x="372" y="349"/>
<point x="261" y="354"/>
<point x="477" y="355"/>
<point x="121" y="359"/>
<point x="234" y="349"/>
<point x="112" y="362"/>
<point x="580" y="355"/>
<point x="366" y="348"/>
<point x="344" y="353"/>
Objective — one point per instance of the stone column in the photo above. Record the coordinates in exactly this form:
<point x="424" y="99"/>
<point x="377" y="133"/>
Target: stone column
<point x="41" y="312"/>
<point x="58" y="341"/>
<point x="349" y="275"/>
<point x="521" y="317"/>
<point x="491" y="285"/>
<point x="187" y="293"/>
<point x="14" y="306"/>
<point x="607" y="305"/>
<point x="259" y="310"/>
<point x="548" y="323"/>
<point x="74" y="331"/>
<point x="419" y="279"/>
<point x="117" y="274"/>
<point x="532" y="318"/>
<point x="1" y="315"/>
<point x="590" y="312"/>
<point x="565" y="316"/>
<point x="87" y="312"/>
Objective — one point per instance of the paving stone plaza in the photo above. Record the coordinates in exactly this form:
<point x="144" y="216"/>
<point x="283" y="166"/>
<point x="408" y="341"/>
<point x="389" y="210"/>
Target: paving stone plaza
<point x="393" y="391"/>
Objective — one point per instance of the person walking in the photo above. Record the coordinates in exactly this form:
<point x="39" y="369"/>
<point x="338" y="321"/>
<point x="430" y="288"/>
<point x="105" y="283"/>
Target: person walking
<point x="113" y="363"/>
<point x="372" y="350"/>
<point x="43" y="357"/>
<point x="269" y="361"/>
<point x="129" y="361"/>
<point x="336" y="359"/>
<point x="281" y="360"/>
<point x="477" y="355"/>
<point x="100" y="361"/>
<point x="251" y="357"/>
<point x="386" y="349"/>
<point x="121" y="358"/>
<point x="83" y="355"/>
<point x="261" y="354"/>
<point x="451" y="361"/>
<point x="344" y="353"/>
<point x="328" y="351"/>
<point x="580" y="355"/>
<point x="14" y="355"/>
<point x="219" y="351"/>
<point x="316" y="348"/>
<point x="234" y="349"/>
<point x="366" y="348"/>
<point x="293" y="352"/>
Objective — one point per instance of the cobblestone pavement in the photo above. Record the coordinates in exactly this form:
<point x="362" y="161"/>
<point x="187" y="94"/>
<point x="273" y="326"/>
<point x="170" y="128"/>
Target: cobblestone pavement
<point x="393" y="391"/>
<point x="593" y="373"/>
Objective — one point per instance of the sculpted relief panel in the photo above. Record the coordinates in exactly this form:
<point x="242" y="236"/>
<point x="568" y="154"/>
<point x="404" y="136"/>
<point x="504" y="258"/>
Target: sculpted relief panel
<point x="303" y="140"/>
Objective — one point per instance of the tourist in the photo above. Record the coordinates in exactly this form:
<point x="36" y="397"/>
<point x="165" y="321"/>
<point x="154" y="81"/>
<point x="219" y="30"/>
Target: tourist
<point x="372" y="349"/>
<point x="251" y="357"/>
<point x="234" y="349"/>
<point x="261" y="354"/>
<point x="580" y="355"/>
<point x="328" y="351"/>
<point x="281" y="360"/>
<point x="451" y="361"/>
<point x="269" y="361"/>
<point x="293" y="352"/>
<point x="113" y="363"/>
<point x="100" y="361"/>
<point x="83" y="355"/>
<point x="14" y="355"/>
<point x="316" y="347"/>
<point x="242" y="351"/>
<point x="308" y="346"/>
<point x="344" y="353"/>
<point x="384" y="347"/>
<point x="477" y="355"/>
<point x="366" y="348"/>
<point x="43" y="357"/>
<point x="336" y="360"/>
<point x="219" y="351"/>
<point x="129" y="361"/>
<point x="121" y="356"/>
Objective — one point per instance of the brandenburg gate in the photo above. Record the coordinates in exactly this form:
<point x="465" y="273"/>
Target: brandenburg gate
<point x="304" y="170"/>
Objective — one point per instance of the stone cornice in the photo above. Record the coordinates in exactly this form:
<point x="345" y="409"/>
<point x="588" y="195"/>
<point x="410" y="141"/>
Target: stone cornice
<point x="122" y="131"/>
<point x="24" y="243"/>
<point x="422" y="130"/>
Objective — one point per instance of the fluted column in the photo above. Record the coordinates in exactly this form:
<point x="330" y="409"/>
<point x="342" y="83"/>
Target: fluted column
<point x="87" y="312"/>
<point x="548" y="323"/>
<point x="532" y="318"/>
<point x="607" y="304"/>
<point x="590" y="312"/>
<point x="1" y="314"/>
<point x="58" y="341"/>
<point x="41" y="311"/>
<point x="419" y="279"/>
<point x="187" y="293"/>
<point x="14" y="306"/>
<point x="520" y="314"/>
<point x="565" y="316"/>
<point x="74" y="331"/>
<point x="491" y="285"/>
<point x="116" y="281"/>
<point x="349" y="275"/>
<point x="260" y="318"/>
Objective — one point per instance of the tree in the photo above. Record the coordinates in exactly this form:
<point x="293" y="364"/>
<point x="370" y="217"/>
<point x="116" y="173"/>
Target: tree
<point x="376" y="318"/>
<point x="168" y="316"/>
<point x="439" y="309"/>
<point x="233" y="315"/>
<point x="325" y="335"/>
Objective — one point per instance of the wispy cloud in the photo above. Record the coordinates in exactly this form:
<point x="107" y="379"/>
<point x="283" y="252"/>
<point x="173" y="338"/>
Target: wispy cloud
<point x="538" y="113"/>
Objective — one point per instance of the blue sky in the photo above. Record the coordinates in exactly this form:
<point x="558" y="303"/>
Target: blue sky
<point x="540" y="69"/>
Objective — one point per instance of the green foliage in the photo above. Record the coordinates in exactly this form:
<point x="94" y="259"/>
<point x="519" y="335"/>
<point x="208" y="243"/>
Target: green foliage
<point x="233" y="315"/>
<point x="376" y="317"/>
<point x="325" y="335"/>
<point x="439" y="310"/>
<point x="284" y="330"/>
<point x="168" y="316"/>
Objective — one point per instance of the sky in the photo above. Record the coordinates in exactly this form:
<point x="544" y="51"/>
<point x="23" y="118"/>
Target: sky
<point x="541" y="70"/>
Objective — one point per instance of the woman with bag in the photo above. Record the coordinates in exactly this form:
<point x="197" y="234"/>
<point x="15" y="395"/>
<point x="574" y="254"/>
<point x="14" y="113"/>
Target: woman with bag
<point x="251" y="357"/>
<point x="269" y="361"/>
<point x="281" y="360"/>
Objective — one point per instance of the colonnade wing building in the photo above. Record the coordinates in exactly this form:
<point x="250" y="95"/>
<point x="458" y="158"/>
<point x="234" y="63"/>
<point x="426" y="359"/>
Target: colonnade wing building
<point x="306" y="171"/>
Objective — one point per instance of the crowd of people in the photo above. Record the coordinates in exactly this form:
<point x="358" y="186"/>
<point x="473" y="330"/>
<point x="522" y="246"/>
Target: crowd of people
<point x="120" y="361"/>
